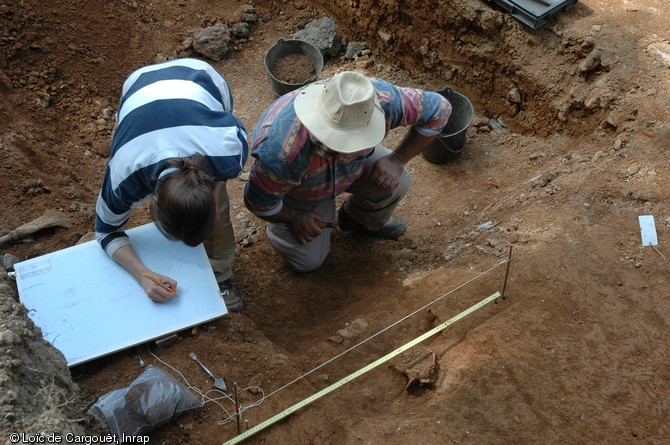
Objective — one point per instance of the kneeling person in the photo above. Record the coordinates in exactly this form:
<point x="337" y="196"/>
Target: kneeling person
<point x="321" y="140"/>
<point x="177" y="142"/>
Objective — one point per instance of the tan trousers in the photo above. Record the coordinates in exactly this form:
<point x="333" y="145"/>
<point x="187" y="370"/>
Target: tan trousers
<point x="220" y="244"/>
<point x="368" y="205"/>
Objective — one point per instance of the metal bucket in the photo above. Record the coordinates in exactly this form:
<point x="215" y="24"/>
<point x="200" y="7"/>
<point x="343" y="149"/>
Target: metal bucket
<point x="450" y="143"/>
<point x="285" y="48"/>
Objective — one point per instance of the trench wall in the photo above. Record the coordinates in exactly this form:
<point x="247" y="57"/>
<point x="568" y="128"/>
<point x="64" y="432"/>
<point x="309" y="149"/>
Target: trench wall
<point x="485" y="53"/>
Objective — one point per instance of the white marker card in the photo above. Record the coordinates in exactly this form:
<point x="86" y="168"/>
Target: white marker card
<point x="648" y="230"/>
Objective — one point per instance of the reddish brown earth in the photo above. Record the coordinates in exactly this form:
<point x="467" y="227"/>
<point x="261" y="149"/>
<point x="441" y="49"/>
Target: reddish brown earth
<point x="578" y="352"/>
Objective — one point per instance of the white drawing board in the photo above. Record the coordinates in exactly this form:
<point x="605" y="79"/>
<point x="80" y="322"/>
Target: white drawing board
<point x="88" y="306"/>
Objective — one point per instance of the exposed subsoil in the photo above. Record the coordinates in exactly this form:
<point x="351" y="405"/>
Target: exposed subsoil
<point x="569" y="145"/>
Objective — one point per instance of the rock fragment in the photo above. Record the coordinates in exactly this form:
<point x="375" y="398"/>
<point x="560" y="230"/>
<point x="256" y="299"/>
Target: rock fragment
<point x="591" y="63"/>
<point x="323" y="35"/>
<point x="212" y="42"/>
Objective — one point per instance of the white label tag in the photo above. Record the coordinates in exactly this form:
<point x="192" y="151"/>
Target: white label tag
<point x="648" y="230"/>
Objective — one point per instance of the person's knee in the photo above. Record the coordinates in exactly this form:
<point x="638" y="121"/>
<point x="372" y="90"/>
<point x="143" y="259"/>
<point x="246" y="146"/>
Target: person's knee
<point x="403" y="183"/>
<point x="305" y="264"/>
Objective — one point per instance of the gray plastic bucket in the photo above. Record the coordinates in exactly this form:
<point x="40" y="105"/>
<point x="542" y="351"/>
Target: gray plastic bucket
<point x="450" y="143"/>
<point x="285" y="48"/>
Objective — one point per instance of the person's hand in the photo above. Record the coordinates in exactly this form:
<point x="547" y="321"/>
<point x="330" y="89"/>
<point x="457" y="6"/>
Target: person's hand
<point x="386" y="171"/>
<point x="161" y="289"/>
<point x="305" y="226"/>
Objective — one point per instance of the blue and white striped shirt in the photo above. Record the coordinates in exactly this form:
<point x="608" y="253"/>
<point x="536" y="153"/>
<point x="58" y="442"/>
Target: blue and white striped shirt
<point x="169" y="110"/>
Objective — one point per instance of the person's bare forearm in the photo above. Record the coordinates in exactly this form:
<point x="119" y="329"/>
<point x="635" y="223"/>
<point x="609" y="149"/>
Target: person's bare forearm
<point x="286" y="215"/>
<point x="412" y="144"/>
<point x="128" y="259"/>
<point x="386" y="171"/>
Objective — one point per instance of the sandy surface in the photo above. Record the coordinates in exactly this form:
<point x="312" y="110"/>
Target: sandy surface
<point x="578" y="352"/>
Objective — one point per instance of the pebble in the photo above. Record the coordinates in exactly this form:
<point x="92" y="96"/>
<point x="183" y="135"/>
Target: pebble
<point x="89" y="236"/>
<point x="8" y="337"/>
<point x="514" y="96"/>
<point x="255" y="383"/>
<point x="485" y="226"/>
<point x="337" y="339"/>
<point x="593" y="102"/>
<point x="279" y="359"/>
<point x="402" y="253"/>
<point x="591" y="63"/>
<point x="8" y="261"/>
<point x="43" y="99"/>
<point x="356" y="327"/>
<point x="107" y="113"/>
<point x="662" y="50"/>
<point x="103" y="149"/>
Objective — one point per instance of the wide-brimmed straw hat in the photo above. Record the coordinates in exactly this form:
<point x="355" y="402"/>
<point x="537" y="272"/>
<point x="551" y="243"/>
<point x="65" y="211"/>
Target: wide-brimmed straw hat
<point x="343" y="113"/>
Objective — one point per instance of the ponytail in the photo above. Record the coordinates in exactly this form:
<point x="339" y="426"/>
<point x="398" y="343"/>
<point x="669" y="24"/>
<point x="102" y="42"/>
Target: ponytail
<point x="185" y="209"/>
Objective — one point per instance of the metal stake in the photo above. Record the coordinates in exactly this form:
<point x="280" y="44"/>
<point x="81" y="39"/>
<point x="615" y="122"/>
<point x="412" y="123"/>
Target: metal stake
<point x="137" y="351"/>
<point x="237" y="409"/>
<point x="509" y="260"/>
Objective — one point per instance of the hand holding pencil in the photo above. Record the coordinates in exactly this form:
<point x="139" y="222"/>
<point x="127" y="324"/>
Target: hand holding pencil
<point x="164" y="290"/>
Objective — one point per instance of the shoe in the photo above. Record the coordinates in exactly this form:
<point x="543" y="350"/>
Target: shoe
<point x="393" y="228"/>
<point x="231" y="296"/>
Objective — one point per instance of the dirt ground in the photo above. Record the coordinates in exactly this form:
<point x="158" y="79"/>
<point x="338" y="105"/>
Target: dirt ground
<point x="578" y="352"/>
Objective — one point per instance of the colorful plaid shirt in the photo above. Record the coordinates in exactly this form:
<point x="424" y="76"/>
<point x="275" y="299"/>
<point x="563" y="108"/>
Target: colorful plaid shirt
<point x="287" y="162"/>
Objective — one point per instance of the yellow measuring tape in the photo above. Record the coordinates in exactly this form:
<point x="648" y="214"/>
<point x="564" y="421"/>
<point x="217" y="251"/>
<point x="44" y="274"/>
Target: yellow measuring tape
<point x="290" y="410"/>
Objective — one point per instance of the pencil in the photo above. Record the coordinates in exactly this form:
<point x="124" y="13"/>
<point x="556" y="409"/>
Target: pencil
<point x="166" y="286"/>
<point x="325" y="225"/>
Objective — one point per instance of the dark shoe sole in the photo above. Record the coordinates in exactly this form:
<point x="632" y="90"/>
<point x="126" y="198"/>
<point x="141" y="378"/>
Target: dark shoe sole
<point x="231" y="296"/>
<point x="234" y="303"/>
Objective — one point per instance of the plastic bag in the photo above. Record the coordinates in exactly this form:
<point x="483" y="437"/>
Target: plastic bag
<point x="152" y="399"/>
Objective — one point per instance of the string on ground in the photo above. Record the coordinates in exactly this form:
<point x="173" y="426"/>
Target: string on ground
<point x="389" y="327"/>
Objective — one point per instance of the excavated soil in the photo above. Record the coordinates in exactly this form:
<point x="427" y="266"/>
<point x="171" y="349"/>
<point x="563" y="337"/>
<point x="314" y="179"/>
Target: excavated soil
<point x="569" y="145"/>
<point x="293" y="69"/>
